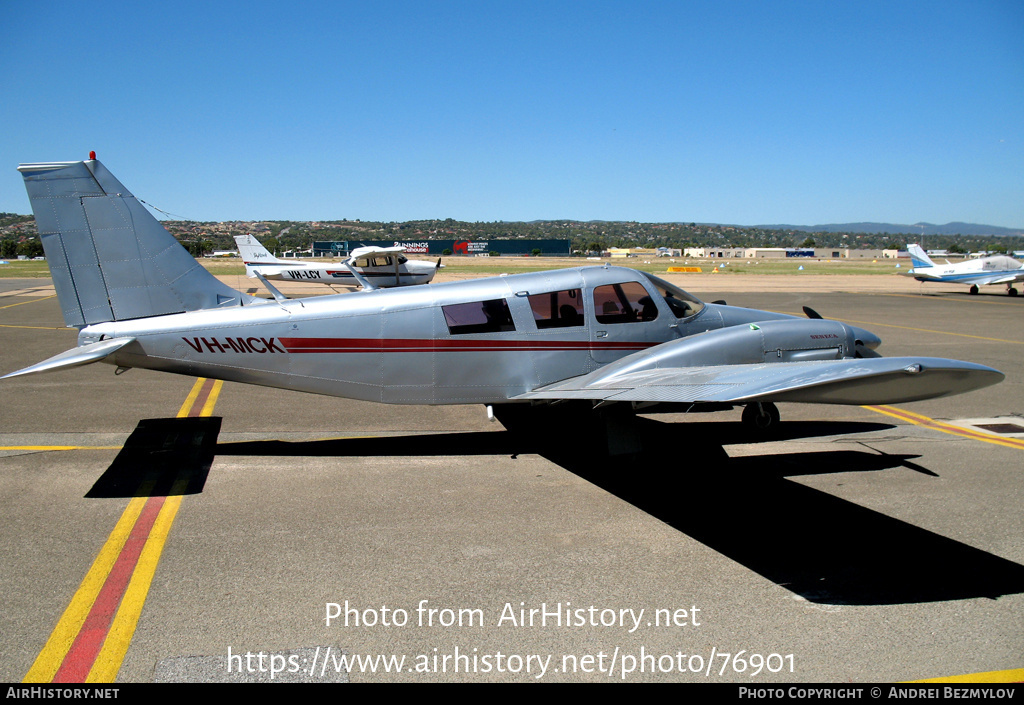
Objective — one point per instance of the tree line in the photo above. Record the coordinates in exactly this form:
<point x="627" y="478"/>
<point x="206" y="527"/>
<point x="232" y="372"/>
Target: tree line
<point x="586" y="236"/>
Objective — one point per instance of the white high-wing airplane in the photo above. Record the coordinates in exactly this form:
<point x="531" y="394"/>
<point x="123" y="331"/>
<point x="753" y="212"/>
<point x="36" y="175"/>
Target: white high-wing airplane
<point x="986" y="270"/>
<point x="370" y="267"/>
<point x="590" y="345"/>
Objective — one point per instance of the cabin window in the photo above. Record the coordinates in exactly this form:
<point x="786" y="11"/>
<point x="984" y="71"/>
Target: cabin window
<point x="628" y="302"/>
<point x="557" y="309"/>
<point x="363" y="262"/>
<point x="490" y="316"/>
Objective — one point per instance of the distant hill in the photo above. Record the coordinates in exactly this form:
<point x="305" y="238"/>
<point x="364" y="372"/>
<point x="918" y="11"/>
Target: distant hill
<point x="894" y="229"/>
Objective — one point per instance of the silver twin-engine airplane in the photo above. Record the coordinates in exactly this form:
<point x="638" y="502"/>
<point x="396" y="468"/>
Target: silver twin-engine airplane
<point x="369" y="267"/>
<point x="604" y="338"/>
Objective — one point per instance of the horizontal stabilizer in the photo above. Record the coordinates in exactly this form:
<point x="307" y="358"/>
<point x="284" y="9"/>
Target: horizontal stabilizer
<point x="82" y="355"/>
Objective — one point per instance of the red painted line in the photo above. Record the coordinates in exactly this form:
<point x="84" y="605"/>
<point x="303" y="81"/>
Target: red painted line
<point x="90" y="638"/>
<point x="200" y="401"/>
<point x="381" y="345"/>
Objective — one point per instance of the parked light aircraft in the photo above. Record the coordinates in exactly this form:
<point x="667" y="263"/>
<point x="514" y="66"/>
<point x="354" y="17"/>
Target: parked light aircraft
<point x="986" y="270"/>
<point x="369" y="267"/>
<point x="608" y="340"/>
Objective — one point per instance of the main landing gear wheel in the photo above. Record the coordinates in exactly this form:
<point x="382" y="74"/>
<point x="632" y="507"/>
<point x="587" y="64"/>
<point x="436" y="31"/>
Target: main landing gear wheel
<point x="1011" y="291"/>
<point x="974" y="288"/>
<point x="761" y="417"/>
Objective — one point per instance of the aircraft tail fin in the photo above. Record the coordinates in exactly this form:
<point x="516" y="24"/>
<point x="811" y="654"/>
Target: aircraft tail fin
<point x="254" y="253"/>
<point x="918" y="257"/>
<point x="109" y="258"/>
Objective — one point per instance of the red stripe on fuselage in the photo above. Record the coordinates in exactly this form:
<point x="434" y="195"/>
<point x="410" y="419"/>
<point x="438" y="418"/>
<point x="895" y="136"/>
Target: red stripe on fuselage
<point x="378" y="345"/>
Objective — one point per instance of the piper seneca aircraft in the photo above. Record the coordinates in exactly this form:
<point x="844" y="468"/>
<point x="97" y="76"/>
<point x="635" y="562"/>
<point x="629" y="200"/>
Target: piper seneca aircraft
<point x="605" y="341"/>
<point x="369" y="267"/>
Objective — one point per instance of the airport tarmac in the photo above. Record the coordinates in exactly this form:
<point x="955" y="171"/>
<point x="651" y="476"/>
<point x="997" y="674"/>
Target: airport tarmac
<point x="863" y="545"/>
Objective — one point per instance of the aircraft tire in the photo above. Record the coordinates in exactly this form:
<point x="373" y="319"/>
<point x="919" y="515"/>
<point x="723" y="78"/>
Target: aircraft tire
<point x="973" y="289"/>
<point x="761" y="418"/>
<point x="1011" y="291"/>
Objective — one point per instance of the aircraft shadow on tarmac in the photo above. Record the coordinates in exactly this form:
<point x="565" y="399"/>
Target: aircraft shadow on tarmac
<point x="821" y="547"/>
<point x="162" y="457"/>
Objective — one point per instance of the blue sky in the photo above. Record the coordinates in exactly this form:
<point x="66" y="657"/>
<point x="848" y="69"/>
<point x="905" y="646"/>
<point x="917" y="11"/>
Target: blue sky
<point x="730" y="112"/>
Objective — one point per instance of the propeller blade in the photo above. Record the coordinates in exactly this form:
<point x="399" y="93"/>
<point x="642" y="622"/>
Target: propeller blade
<point x="811" y="313"/>
<point x="864" y="351"/>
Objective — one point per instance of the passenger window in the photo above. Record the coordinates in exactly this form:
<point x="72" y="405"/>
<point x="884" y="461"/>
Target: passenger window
<point x="557" y="309"/>
<point x="478" y="317"/>
<point x="628" y="302"/>
<point x="362" y="262"/>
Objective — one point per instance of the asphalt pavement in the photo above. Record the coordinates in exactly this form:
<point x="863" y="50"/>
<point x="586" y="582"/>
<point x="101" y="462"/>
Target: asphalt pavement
<point x="310" y="538"/>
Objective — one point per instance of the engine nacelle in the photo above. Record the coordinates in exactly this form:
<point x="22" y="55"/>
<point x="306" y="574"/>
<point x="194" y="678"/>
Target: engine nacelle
<point x="792" y="340"/>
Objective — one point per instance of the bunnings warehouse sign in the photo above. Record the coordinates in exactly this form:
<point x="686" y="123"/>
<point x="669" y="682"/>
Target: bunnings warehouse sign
<point x="457" y="247"/>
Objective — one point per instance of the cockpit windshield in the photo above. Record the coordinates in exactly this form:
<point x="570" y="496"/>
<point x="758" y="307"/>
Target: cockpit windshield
<point x="683" y="305"/>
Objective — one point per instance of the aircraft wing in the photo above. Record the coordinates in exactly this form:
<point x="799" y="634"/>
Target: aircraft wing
<point x="985" y="278"/>
<point x="884" y="380"/>
<point x="798" y="360"/>
<point x="1008" y="277"/>
<point x="374" y="250"/>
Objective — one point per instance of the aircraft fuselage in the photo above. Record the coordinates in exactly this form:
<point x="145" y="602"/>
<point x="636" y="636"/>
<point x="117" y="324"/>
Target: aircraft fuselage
<point x="478" y="341"/>
<point x="382" y="277"/>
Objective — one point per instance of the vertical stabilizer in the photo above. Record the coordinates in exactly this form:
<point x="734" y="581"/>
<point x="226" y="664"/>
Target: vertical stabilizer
<point x="254" y="253"/>
<point x="109" y="258"/>
<point x="919" y="257"/>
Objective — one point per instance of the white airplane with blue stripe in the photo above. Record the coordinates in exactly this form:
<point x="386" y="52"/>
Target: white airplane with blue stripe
<point x="986" y="270"/>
